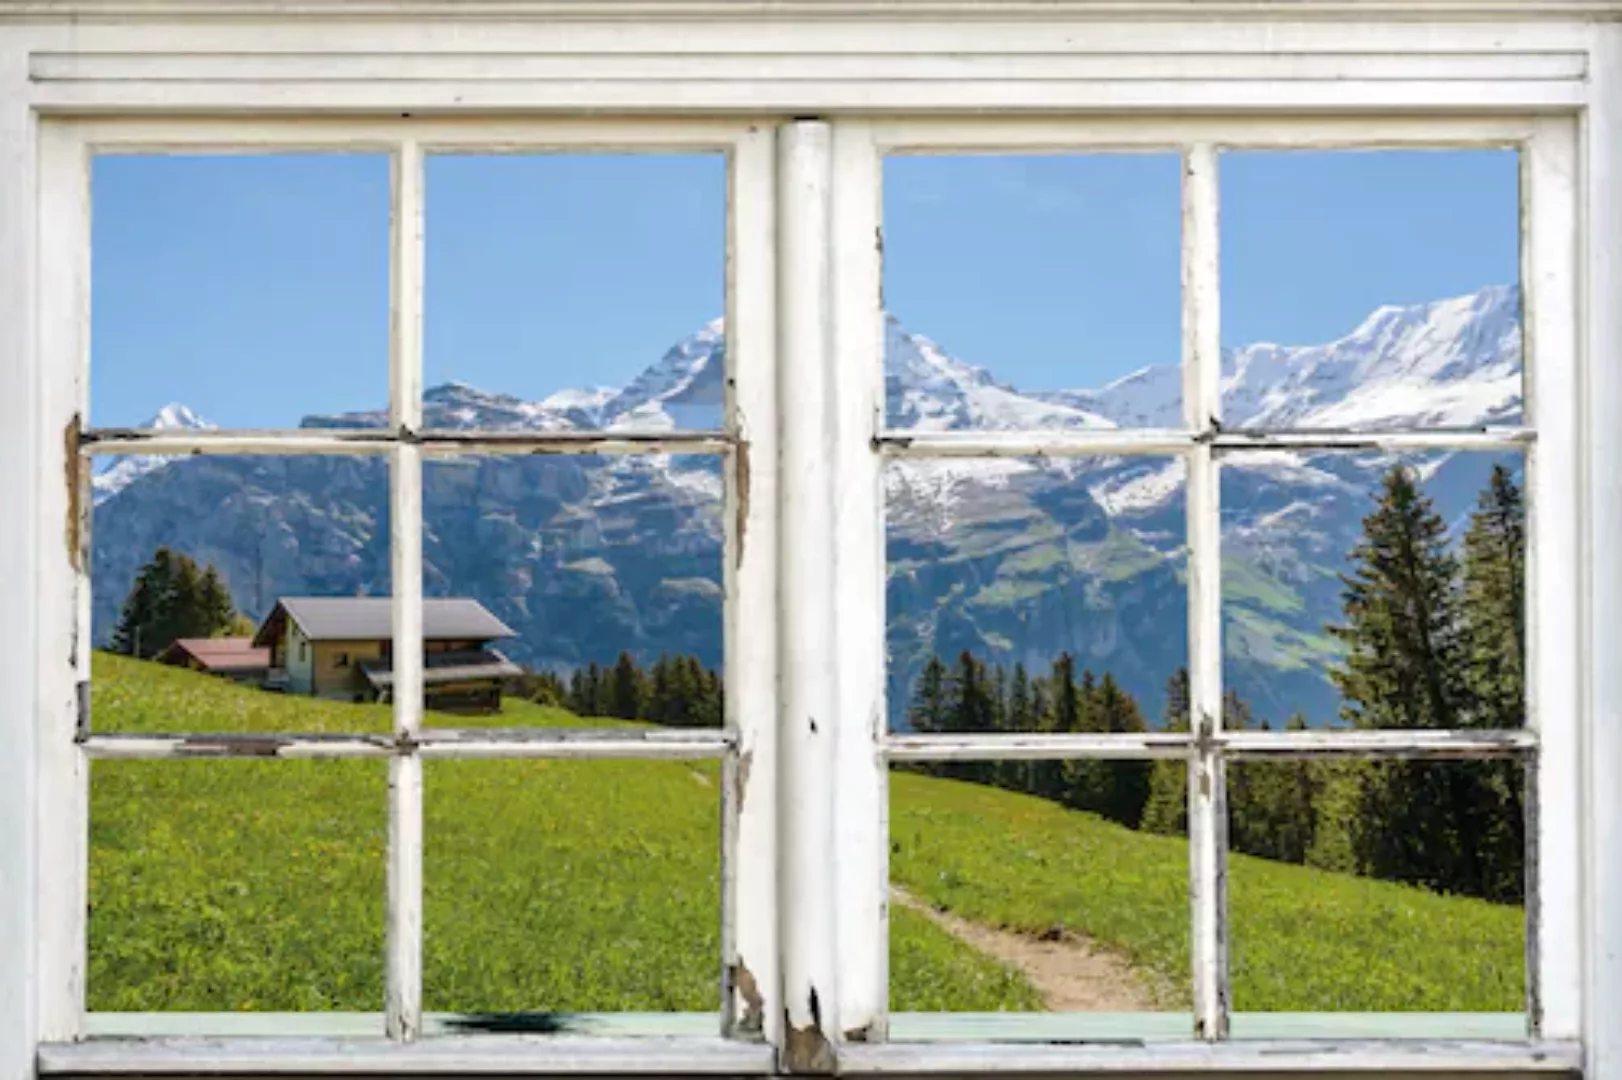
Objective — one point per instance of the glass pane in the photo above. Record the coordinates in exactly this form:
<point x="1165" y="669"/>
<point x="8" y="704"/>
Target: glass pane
<point x="1377" y="886"/>
<point x="1350" y="579"/>
<point x="237" y="886"/>
<point x="1371" y="290"/>
<point x="1034" y="595"/>
<point x="244" y="291"/>
<point x="239" y="593"/>
<point x="1004" y="901"/>
<point x="600" y="577"/>
<point x="1033" y="292"/>
<point x="575" y="291"/>
<point x="571" y="886"/>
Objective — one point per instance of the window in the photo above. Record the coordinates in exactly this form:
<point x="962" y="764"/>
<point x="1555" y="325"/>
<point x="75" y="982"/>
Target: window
<point x="839" y="540"/>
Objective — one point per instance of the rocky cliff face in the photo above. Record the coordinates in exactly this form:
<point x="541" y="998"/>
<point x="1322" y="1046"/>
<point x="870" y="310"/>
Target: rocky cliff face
<point x="1015" y="560"/>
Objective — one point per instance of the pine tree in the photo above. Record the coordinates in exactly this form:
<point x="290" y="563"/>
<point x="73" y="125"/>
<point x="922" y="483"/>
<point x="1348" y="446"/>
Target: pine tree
<point x="662" y="706"/>
<point x="968" y="709"/>
<point x="1495" y="603"/>
<point x="627" y="694"/>
<point x="1055" y="779"/>
<point x="1406" y="667"/>
<point x="595" y="701"/>
<point x="1126" y="794"/>
<point x="214" y="608"/>
<point x="1166" y="810"/>
<point x="927" y="713"/>
<point x="172" y="598"/>
<point x="1018" y="716"/>
<point x="1402" y="630"/>
<point x="1495" y="632"/>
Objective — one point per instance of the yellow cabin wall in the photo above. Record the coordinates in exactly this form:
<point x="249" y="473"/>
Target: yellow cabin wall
<point x="332" y="679"/>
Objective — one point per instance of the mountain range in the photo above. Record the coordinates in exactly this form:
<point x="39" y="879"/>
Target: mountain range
<point x="1014" y="559"/>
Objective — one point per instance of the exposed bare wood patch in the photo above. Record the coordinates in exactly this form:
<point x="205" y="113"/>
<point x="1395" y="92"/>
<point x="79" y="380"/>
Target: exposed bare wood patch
<point x="75" y="522"/>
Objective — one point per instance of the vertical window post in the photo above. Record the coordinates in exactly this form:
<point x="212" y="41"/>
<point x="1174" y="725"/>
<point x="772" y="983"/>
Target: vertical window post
<point x="403" y="998"/>
<point x="1602" y="349"/>
<point x="809" y="701"/>
<point x="861" y="829"/>
<point x="20" y="809"/>
<point x="1202" y="405"/>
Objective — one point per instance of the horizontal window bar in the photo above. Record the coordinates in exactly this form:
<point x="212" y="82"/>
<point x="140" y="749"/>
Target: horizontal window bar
<point x="1083" y="443"/>
<point x="1506" y="438"/>
<point x="1251" y="1056"/>
<point x="369" y="1025"/>
<point x="1394" y="743"/>
<point x="437" y="742"/>
<point x="436" y="441"/>
<point x="1124" y="441"/>
<point x="447" y="1056"/>
<point x="237" y="745"/>
<point x="574" y="743"/>
<point x="1237" y="744"/>
<point x="111" y="441"/>
<point x="1036" y="747"/>
<point x="1175" y="1027"/>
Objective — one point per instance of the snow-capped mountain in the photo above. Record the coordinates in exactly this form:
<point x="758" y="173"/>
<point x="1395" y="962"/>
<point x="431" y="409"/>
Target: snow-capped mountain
<point x="1448" y="363"/>
<point x="124" y="471"/>
<point x="925" y="389"/>
<point x="1013" y="559"/>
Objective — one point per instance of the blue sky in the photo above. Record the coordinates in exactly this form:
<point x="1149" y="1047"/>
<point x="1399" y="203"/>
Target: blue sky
<point x="255" y="289"/>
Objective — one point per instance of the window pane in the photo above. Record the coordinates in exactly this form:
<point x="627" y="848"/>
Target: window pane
<point x="240" y="594"/>
<point x="1377" y="886"/>
<point x="237" y="886"/>
<point x="1011" y="580"/>
<point x="1004" y="901"/>
<point x="569" y="886"/>
<point x="1033" y="292"/>
<point x="1371" y="289"/>
<point x="244" y="291"/>
<point x="575" y="291"/>
<point x="601" y="576"/>
<point x="1351" y="579"/>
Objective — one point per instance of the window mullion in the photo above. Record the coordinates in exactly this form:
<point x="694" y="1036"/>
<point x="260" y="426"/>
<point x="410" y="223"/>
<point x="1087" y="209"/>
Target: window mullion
<point x="64" y="618"/>
<point x="807" y="661"/>
<point x="1600" y="279"/>
<point x="1202" y="404"/>
<point x="861" y="828"/>
<point x="403" y="997"/>
<point x="1553" y="559"/>
<point x="751" y="1006"/>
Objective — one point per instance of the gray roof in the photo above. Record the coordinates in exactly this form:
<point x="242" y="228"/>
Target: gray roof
<point x="371" y="618"/>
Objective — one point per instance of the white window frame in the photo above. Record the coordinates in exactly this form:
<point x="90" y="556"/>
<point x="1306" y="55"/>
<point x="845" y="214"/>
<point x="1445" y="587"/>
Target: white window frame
<point x="806" y="869"/>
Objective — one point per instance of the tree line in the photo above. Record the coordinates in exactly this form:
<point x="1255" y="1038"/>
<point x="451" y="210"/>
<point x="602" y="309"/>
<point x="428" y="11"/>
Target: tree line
<point x="1432" y="639"/>
<point x="677" y="691"/>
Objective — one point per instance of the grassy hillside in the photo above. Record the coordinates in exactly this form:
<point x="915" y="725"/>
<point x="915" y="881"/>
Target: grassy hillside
<point x="227" y="885"/>
<point x="568" y="886"/>
<point x="1300" y="939"/>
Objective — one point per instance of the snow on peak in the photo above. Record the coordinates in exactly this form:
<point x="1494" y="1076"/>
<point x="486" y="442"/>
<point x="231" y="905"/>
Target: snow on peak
<point x="1453" y="362"/>
<point x="684" y="390"/>
<point x="927" y="389"/>
<point x="175" y="415"/>
<point x="1447" y="363"/>
<point x="124" y="471"/>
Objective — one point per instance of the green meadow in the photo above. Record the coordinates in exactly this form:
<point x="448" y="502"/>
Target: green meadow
<point x="222" y="885"/>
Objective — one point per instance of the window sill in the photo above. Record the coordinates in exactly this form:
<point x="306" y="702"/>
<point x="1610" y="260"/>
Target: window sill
<point x="647" y="1043"/>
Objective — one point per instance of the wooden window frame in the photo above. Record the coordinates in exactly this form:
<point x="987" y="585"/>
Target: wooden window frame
<point x="805" y="872"/>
